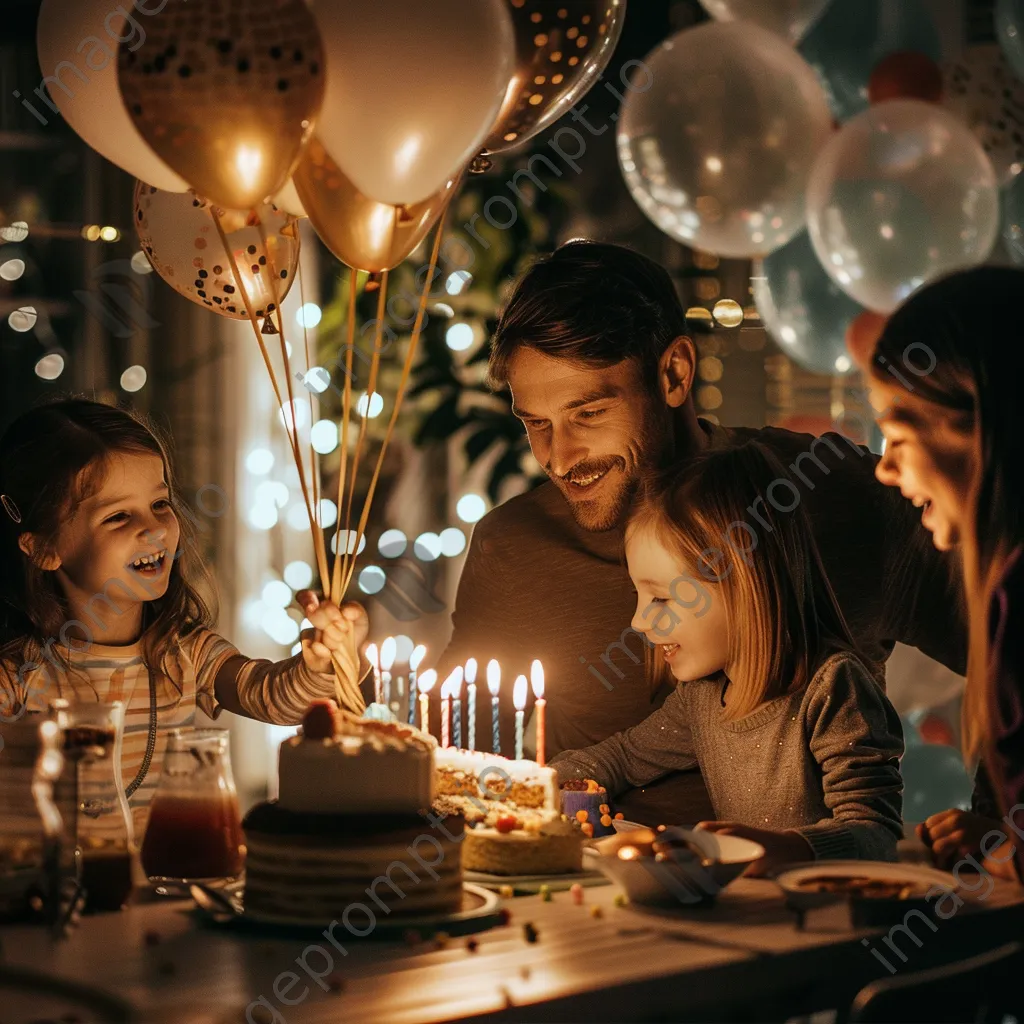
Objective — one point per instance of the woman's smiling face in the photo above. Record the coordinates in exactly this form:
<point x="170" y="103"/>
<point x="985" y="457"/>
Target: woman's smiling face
<point x="676" y="609"/>
<point x="930" y="455"/>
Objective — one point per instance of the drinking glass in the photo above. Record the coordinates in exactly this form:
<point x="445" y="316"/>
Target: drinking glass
<point x="194" y="832"/>
<point x="93" y="735"/>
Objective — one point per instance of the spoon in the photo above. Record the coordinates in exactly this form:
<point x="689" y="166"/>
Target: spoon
<point x="220" y="905"/>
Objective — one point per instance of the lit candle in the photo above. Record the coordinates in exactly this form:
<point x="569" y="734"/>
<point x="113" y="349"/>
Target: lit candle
<point x="457" y="715"/>
<point x="471" y="700"/>
<point x="537" y="682"/>
<point x="417" y="656"/>
<point x="373" y="657"/>
<point x="494" y="684"/>
<point x="388" y="653"/>
<point x="448" y="690"/>
<point x="426" y="684"/>
<point x="519" y="701"/>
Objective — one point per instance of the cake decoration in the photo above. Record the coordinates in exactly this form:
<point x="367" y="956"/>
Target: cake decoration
<point x="587" y="803"/>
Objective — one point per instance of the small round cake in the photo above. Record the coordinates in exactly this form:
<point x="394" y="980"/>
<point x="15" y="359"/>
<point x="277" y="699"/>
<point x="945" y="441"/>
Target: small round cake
<point x="587" y="803"/>
<point x="552" y="848"/>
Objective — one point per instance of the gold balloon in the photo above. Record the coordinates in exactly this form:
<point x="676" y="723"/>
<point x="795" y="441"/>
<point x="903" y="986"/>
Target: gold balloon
<point x="561" y="50"/>
<point x="180" y="237"/>
<point x="226" y="93"/>
<point x="362" y="232"/>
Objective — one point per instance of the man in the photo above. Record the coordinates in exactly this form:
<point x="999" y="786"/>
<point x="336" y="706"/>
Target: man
<point x="593" y="346"/>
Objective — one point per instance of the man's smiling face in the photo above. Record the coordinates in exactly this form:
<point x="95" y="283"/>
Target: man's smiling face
<point x="593" y="429"/>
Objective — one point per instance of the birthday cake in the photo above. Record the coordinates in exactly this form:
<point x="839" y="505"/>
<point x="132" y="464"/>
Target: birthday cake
<point x="513" y="810"/>
<point x="346" y="829"/>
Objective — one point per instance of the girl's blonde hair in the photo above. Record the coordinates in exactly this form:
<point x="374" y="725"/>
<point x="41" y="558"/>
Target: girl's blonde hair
<point x="953" y="345"/>
<point x="733" y="519"/>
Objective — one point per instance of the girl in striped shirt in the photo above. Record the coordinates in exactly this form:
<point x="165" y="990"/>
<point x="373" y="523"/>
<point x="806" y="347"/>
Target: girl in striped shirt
<point x="101" y="593"/>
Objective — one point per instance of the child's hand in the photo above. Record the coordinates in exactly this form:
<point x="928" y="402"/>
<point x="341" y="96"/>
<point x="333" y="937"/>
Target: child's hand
<point x="335" y="636"/>
<point x="954" y="835"/>
<point x="779" y="847"/>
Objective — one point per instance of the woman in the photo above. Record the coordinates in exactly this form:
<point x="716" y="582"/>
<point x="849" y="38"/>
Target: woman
<point x="946" y="379"/>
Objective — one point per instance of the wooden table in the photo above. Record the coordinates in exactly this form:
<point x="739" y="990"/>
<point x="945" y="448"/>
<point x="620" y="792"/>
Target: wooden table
<point x="743" y="959"/>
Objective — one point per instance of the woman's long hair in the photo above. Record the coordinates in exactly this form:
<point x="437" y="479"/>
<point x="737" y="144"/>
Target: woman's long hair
<point x="51" y="459"/>
<point x="782" y="614"/>
<point x="958" y="344"/>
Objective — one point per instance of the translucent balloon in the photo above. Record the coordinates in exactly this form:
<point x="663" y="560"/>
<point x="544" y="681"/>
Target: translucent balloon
<point x="902" y="194"/>
<point x="789" y="18"/>
<point x="717" y="148"/>
<point x="847" y="42"/>
<point x="1010" y="32"/>
<point x="803" y="309"/>
<point x="1013" y="220"/>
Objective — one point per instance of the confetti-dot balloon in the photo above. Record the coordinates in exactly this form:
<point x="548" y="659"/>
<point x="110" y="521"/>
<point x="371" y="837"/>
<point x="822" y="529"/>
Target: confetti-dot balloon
<point x="225" y="92"/>
<point x="180" y="238"/>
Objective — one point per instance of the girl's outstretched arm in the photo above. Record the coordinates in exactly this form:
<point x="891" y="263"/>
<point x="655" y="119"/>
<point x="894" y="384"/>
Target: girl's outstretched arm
<point x="856" y="738"/>
<point x="280" y="692"/>
<point x="660" y="744"/>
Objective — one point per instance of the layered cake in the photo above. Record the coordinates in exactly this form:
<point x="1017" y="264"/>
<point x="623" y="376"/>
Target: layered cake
<point x="513" y="809"/>
<point x="587" y="803"/>
<point x="346" y="840"/>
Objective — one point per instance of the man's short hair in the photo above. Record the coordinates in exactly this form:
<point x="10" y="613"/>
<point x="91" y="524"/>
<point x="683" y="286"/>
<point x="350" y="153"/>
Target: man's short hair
<point x="591" y="302"/>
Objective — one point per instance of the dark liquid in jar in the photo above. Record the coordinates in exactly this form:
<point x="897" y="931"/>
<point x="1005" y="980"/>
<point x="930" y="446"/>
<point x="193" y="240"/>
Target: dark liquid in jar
<point x="107" y="879"/>
<point x="193" y="837"/>
<point x="92" y="739"/>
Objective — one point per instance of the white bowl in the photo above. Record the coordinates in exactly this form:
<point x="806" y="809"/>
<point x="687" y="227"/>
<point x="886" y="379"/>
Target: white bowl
<point x="675" y="882"/>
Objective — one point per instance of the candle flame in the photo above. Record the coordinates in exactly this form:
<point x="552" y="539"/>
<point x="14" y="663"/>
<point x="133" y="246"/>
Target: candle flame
<point x="373" y="657"/>
<point x="427" y="680"/>
<point x="537" y="678"/>
<point x="493" y="676"/>
<point x="451" y="686"/>
<point x="519" y="693"/>
<point x="388" y="653"/>
<point x="419" y="652"/>
<point x="471" y="671"/>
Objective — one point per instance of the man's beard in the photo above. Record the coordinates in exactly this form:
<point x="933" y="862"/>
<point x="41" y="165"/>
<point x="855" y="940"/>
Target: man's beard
<point x="610" y="510"/>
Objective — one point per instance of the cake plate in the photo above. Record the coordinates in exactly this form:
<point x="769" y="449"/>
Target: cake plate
<point x="480" y="911"/>
<point x="526" y="885"/>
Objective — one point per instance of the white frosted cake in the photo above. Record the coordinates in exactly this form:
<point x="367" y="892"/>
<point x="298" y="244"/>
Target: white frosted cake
<point x="348" y="815"/>
<point x="513" y="807"/>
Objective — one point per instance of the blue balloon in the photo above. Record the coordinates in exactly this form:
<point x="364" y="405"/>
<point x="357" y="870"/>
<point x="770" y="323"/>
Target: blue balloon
<point x="803" y="309"/>
<point x="934" y="779"/>
<point x="846" y="43"/>
<point x="1010" y="30"/>
<point x="1013" y="219"/>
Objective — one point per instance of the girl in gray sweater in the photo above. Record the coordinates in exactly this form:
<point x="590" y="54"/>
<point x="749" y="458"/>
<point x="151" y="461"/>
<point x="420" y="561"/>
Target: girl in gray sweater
<point x="796" y="740"/>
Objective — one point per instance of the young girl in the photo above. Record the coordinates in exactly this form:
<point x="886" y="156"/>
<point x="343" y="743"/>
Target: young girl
<point x="797" y="743"/>
<point x="99" y="602"/>
<point x="945" y="382"/>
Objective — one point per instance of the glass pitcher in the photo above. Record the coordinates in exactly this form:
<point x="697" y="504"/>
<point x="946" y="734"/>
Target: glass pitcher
<point x="104" y="835"/>
<point x="194" y="832"/>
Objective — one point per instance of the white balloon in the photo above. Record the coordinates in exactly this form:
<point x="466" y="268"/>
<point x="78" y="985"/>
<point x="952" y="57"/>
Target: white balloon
<point x="902" y="194"/>
<point x="413" y="89"/>
<point x="789" y="18"/>
<point x="288" y="200"/>
<point x="77" y="42"/>
<point x="717" y="148"/>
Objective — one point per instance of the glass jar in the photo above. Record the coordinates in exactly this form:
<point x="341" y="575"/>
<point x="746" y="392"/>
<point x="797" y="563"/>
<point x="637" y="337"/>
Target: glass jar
<point x="31" y="826"/>
<point x="93" y="734"/>
<point x="194" y="833"/>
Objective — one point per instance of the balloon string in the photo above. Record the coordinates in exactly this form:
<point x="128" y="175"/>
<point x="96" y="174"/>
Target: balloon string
<point x="341" y="557"/>
<point x="312" y="409"/>
<point x="300" y="463"/>
<point x="346" y="689"/>
<point x="349" y="566"/>
<point x="404" y="381"/>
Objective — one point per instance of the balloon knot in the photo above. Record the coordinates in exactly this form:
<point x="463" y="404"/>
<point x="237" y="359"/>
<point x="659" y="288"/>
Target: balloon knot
<point x="268" y="326"/>
<point x="480" y="163"/>
<point x="373" y="282"/>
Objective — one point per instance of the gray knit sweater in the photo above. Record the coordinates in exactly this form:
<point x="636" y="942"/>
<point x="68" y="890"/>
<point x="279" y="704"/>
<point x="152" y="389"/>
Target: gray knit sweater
<point x="823" y="761"/>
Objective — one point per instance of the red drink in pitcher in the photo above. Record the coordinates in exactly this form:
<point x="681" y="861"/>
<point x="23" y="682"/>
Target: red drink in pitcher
<point x="195" y="827"/>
